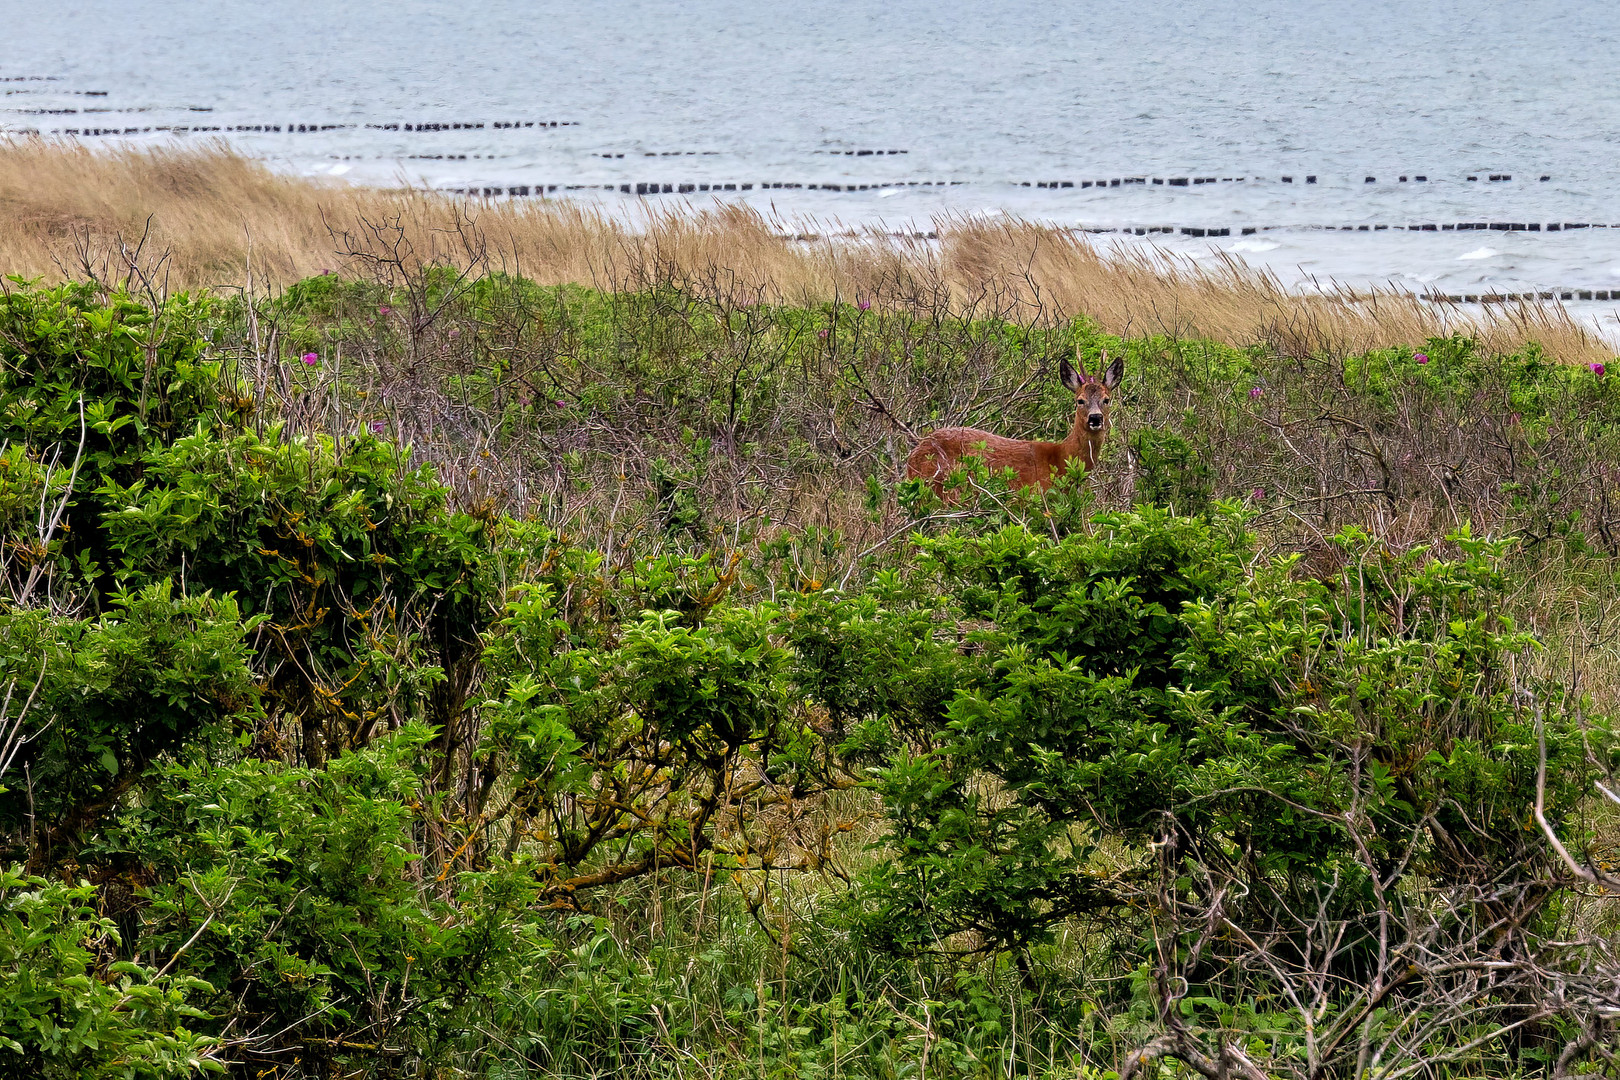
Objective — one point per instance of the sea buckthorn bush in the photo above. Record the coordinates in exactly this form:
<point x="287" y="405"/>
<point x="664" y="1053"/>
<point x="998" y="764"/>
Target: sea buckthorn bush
<point x="441" y="675"/>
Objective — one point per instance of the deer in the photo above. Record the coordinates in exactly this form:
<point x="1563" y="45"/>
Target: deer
<point x="1038" y="464"/>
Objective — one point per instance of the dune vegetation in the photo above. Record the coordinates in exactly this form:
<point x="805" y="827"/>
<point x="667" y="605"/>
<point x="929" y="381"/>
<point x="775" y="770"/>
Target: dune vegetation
<point x="452" y="640"/>
<point x="225" y="221"/>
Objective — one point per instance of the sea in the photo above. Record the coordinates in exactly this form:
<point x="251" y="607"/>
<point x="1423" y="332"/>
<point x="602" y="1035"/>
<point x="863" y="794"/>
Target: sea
<point x="1469" y="149"/>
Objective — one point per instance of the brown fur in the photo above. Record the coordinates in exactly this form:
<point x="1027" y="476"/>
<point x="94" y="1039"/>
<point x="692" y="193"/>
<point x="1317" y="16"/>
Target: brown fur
<point x="1037" y="463"/>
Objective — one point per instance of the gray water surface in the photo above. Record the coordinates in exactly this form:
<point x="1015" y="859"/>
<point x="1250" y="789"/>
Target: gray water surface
<point x="973" y="99"/>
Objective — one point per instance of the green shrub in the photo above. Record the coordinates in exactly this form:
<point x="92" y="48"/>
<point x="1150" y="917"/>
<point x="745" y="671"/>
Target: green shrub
<point x="415" y="789"/>
<point x="1174" y="472"/>
<point x="302" y="894"/>
<point x="1137" y="687"/>
<point x="642" y="741"/>
<point x="70" y="1011"/>
<point x="89" y="384"/>
<point x="115" y="693"/>
<point x="374" y="592"/>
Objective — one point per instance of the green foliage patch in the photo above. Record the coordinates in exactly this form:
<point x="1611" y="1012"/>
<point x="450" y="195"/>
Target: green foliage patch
<point x="316" y="763"/>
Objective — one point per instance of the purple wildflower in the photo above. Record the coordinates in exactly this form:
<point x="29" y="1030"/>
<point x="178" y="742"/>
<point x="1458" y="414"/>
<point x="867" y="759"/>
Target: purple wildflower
<point x="821" y="333"/>
<point x="1422" y="358"/>
<point x="378" y="427"/>
<point x="864" y="304"/>
<point x="1255" y="393"/>
<point x="384" y="309"/>
<point x="1257" y="493"/>
<point x="1597" y="369"/>
<point x="311" y="358"/>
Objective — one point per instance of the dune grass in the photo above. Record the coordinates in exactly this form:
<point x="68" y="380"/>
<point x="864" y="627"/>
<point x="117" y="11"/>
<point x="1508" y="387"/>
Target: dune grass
<point x="215" y="218"/>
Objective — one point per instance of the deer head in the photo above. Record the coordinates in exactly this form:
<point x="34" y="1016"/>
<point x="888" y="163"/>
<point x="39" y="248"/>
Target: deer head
<point x="1092" y="396"/>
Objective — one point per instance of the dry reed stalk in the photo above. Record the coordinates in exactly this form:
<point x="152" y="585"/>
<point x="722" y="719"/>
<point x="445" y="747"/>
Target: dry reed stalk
<point x="214" y="212"/>
<point x="1056" y="273"/>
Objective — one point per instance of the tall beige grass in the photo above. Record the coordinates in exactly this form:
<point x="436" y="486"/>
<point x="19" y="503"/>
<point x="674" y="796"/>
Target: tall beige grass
<point x="220" y="218"/>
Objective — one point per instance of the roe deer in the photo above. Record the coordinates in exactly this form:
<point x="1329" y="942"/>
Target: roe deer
<point x="1038" y="464"/>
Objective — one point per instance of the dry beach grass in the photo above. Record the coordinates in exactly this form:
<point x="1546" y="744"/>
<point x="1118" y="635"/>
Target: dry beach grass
<point x="218" y="215"/>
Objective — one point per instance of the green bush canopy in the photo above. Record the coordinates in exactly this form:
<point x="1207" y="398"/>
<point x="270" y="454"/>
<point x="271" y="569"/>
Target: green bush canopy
<point x="315" y="763"/>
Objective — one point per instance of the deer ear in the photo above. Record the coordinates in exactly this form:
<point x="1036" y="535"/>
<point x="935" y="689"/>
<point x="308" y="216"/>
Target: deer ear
<point x="1115" y="372"/>
<point x="1072" y="380"/>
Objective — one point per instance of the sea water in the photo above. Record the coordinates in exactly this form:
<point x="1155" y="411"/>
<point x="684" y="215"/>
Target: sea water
<point x="1308" y="119"/>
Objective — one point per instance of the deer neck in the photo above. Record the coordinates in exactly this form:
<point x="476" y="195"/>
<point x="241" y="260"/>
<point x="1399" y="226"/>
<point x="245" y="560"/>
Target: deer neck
<point x="1082" y="441"/>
